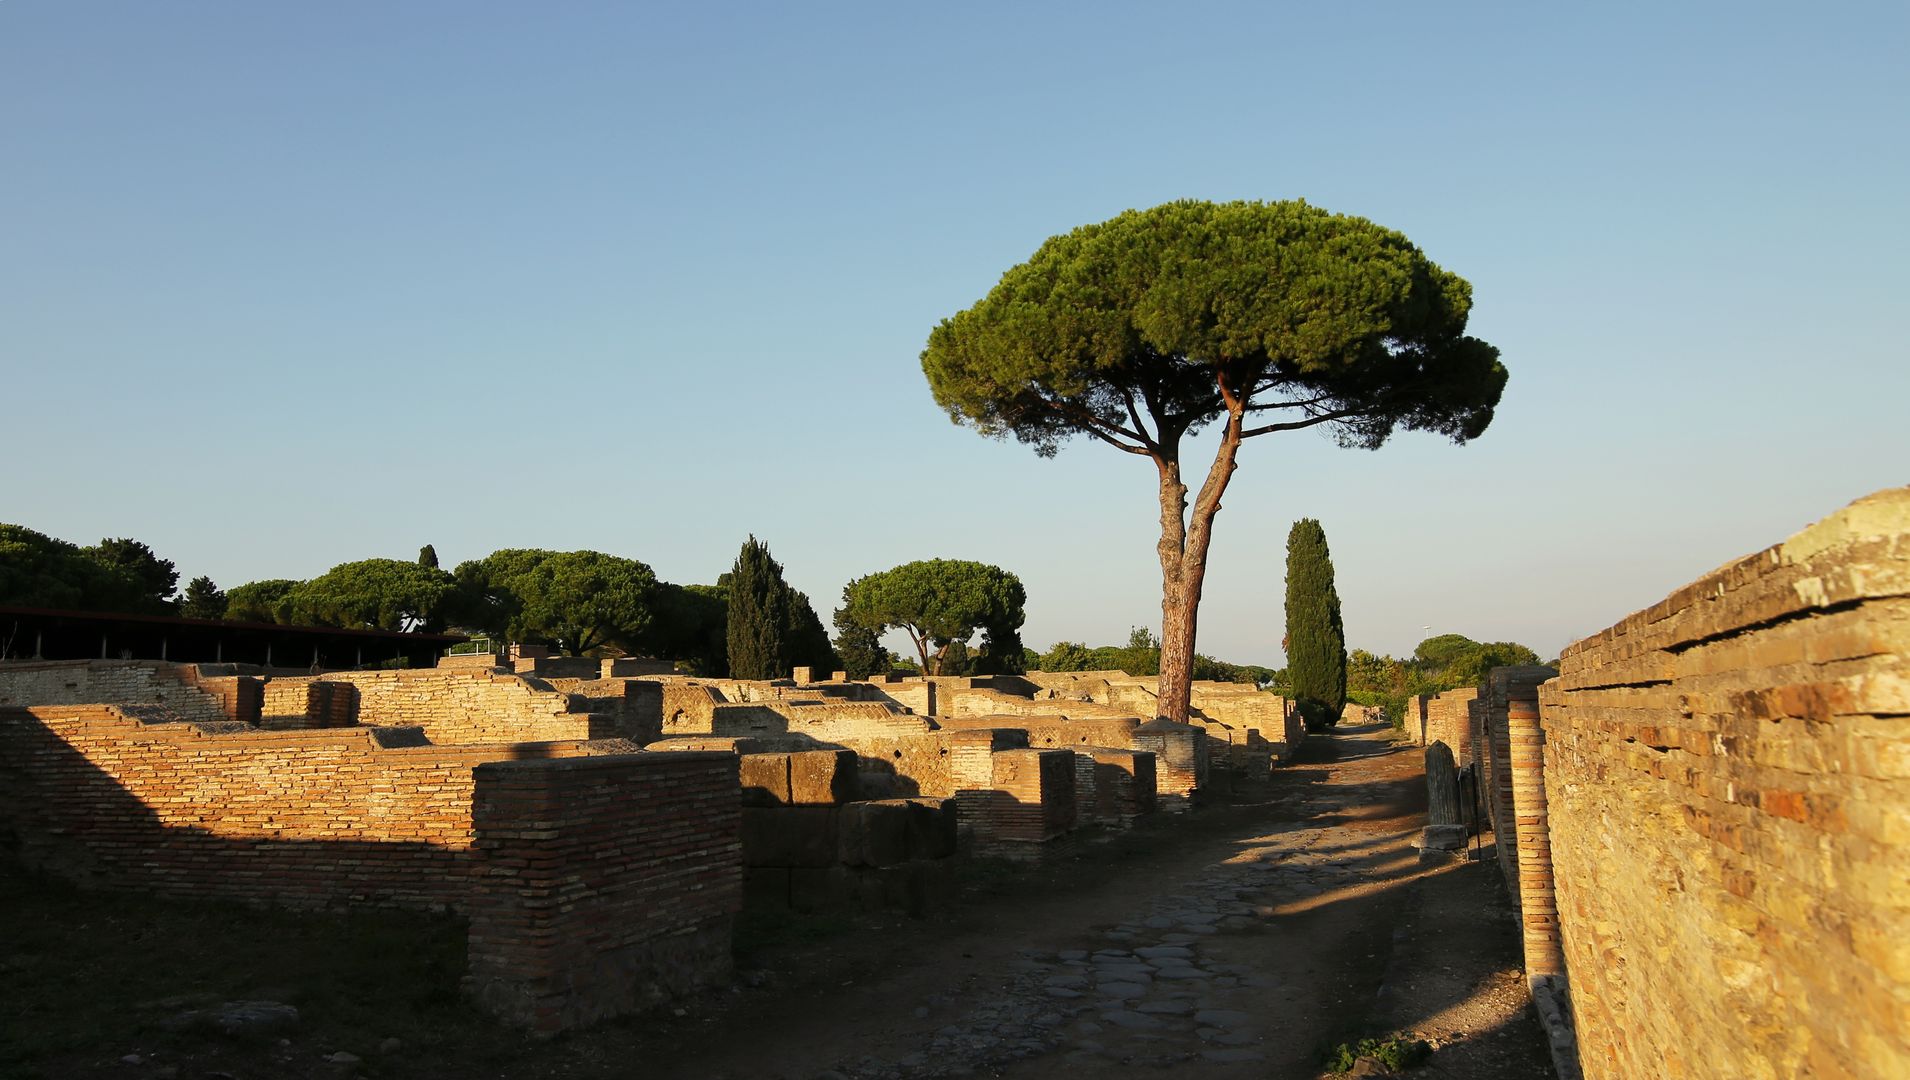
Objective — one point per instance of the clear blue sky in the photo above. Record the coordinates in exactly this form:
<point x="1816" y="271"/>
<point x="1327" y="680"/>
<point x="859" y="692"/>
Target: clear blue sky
<point x="286" y="285"/>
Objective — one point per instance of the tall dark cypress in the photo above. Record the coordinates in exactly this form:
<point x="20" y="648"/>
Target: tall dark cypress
<point x="759" y="616"/>
<point x="1316" y="640"/>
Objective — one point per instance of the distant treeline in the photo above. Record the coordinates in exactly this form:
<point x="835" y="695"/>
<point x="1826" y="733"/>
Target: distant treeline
<point x="1440" y="663"/>
<point x="1142" y="656"/>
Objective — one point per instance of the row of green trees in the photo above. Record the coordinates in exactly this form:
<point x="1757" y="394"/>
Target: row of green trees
<point x="1439" y="663"/>
<point x="116" y="574"/>
<point x="750" y="624"/>
<point x="1142" y="656"/>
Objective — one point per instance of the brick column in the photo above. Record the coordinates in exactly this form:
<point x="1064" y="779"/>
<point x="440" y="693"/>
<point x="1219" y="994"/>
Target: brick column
<point x="1538" y="910"/>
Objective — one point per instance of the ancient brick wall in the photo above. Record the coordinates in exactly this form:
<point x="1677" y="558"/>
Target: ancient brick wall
<point x="611" y="884"/>
<point x="1113" y="786"/>
<point x="1727" y="776"/>
<point x="595" y="884"/>
<point x="179" y="688"/>
<point x="1491" y="740"/>
<point x="1180" y="761"/>
<point x="466" y="706"/>
<point x="305" y="818"/>
<point x="1449" y="722"/>
<point x="634" y="707"/>
<point x="1414" y="722"/>
<point x="1029" y="801"/>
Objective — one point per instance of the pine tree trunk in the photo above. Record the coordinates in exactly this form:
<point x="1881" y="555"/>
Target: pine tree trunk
<point x="1185" y="537"/>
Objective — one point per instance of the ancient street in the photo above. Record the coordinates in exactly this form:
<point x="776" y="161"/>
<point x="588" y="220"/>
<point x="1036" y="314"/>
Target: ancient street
<point x="1240" y="951"/>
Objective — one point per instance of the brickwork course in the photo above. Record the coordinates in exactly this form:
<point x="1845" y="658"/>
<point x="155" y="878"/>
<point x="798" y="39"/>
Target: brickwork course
<point x="485" y="786"/>
<point x="641" y="849"/>
<point x="1727" y="796"/>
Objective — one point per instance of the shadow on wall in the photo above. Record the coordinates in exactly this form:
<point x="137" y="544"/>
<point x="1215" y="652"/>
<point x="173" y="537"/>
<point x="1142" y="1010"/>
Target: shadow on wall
<point x="64" y="815"/>
<point x="637" y="923"/>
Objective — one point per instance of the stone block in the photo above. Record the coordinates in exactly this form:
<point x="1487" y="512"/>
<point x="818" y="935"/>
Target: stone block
<point x="822" y="777"/>
<point x="765" y="779"/>
<point x="916" y="888"/>
<point x="789" y="836"/>
<point x="765" y="888"/>
<point x="874" y="833"/>
<point x="932" y="828"/>
<point x="822" y="888"/>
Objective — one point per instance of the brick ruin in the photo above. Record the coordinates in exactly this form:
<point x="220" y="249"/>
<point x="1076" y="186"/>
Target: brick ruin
<point x="1705" y="817"/>
<point x="1701" y="814"/>
<point x="599" y="824"/>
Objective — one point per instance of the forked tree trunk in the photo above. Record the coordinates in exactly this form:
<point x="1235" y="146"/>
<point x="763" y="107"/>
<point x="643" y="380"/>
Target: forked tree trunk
<point x="1185" y="536"/>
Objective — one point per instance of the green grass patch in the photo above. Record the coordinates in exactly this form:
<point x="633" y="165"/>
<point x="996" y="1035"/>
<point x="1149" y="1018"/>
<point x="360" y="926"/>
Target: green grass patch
<point x="1395" y="1053"/>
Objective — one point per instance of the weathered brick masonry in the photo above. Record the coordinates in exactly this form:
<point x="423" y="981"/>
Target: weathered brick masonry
<point x="1727" y="777"/>
<point x="595" y="884"/>
<point x="609" y="884"/>
<point x="1449" y="720"/>
<point x="305" y="818"/>
<point x="187" y="691"/>
<point x="1492" y="741"/>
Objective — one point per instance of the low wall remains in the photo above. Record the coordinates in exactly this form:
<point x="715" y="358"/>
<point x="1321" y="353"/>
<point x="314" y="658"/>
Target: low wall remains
<point x="186" y="691"/>
<point x="581" y="872"/>
<point x="811" y="843"/>
<point x="610" y="884"/>
<point x="1449" y="720"/>
<point x="456" y="705"/>
<point x="1726" y="779"/>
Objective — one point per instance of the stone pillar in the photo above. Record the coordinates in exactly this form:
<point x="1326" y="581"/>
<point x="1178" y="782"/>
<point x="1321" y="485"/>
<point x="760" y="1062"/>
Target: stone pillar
<point x="1444" y="831"/>
<point x="1538" y="916"/>
<point x="1442" y="786"/>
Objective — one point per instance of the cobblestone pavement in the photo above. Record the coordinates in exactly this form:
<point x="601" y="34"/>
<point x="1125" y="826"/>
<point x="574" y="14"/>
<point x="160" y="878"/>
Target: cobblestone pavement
<point x="1242" y="965"/>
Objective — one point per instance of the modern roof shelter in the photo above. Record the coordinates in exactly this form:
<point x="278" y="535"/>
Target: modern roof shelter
<point x="44" y="634"/>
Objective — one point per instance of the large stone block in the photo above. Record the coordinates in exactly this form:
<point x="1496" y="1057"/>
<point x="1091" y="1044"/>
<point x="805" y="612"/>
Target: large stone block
<point x="875" y="833"/>
<point x="765" y="779"/>
<point x="789" y="836"/>
<point x="822" y="888"/>
<point x="822" y="777"/>
<point x="765" y="888"/>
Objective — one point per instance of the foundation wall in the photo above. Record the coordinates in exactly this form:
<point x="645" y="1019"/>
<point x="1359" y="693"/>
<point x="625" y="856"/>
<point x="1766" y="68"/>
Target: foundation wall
<point x="1727" y="782"/>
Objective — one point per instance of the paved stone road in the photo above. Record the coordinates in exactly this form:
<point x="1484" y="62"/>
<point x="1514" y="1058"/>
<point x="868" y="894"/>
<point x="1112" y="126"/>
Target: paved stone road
<point x="1167" y="987"/>
<point x="1284" y="929"/>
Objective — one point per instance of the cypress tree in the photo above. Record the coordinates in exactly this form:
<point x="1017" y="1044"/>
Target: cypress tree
<point x="1316" y="640"/>
<point x="428" y="557"/>
<point x="759" y="616"/>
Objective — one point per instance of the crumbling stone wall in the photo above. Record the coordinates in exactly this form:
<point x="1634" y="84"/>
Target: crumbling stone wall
<point x="903" y="765"/>
<point x="1727" y="774"/>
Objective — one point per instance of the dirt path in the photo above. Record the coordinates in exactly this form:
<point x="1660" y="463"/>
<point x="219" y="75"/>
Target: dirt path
<point x="1238" y="943"/>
